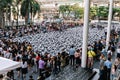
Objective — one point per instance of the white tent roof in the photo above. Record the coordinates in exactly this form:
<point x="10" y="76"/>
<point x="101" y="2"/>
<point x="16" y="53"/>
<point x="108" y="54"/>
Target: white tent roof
<point x="7" y="65"/>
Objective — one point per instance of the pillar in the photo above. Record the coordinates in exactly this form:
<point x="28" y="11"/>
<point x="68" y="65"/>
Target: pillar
<point x="109" y="23"/>
<point x="85" y="32"/>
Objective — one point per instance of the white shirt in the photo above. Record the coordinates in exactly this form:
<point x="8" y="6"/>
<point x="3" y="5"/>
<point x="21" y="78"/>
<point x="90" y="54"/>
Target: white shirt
<point x="24" y="65"/>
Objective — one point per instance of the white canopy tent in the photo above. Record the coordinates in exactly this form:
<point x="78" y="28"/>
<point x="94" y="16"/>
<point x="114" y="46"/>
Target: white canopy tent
<point x="7" y="65"/>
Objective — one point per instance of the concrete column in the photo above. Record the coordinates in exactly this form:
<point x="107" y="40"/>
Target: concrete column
<point x="109" y="23"/>
<point x="85" y="32"/>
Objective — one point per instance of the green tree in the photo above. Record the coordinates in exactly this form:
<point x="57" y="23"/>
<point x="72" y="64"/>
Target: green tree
<point x="103" y="12"/>
<point x="81" y="12"/>
<point x="61" y="10"/>
<point x="27" y="7"/>
<point x="5" y="8"/>
<point x="65" y="10"/>
<point x="93" y="12"/>
<point x="74" y="9"/>
<point x="68" y="9"/>
<point x="78" y="11"/>
<point x="116" y="12"/>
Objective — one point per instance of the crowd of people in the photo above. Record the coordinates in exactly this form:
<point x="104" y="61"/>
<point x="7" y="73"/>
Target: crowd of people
<point x="12" y="32"/>
<point x="23" y="30"/>
<point x="50" y="52"/>
<point x="55" y="41"/>
<point x="110" y="59"/>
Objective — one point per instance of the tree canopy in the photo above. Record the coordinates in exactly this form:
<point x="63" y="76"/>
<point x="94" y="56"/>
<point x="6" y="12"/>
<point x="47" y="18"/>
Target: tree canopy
<point x="70" y="10"/>
<point x="29" y="6"/>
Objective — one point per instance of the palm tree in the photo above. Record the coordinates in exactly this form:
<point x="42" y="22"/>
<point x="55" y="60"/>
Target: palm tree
<point x="35" y="8"/>
<point x="17" y="4"/>
<point x="15" y="9"/>
<point x="27" y="7"/>
<point x="4" y="7"/>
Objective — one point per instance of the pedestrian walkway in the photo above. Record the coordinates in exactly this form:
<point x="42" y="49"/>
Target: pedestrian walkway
<point x="96" y="66"/>
<point x="96" y="77"/>
<point x="71" y="73"/>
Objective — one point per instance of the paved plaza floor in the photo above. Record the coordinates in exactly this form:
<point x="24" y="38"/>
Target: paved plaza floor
<point x="68" y="73"/>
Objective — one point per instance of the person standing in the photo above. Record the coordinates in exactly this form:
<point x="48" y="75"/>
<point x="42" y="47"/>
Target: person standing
<point x="41" y="65"/>
<point x="77" y="57"/>
<point x="102" y="60"/>
<point x="113" y="70"/>
<point x="91" y="55"/>
<point x="103" y="74"/>
<point x="104" y="52"/>
<point x="71" y="53"/>
<point x="24" y="67"/>
<point x="108" y="64"/>
<point x="37" y="61"/>
<point x="55" y="69"/>
<point x="18" y="69"/>
<point x="59" y="62"/>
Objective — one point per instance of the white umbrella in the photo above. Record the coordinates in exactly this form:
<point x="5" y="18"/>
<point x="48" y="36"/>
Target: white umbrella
<point x="7" y="65"/>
